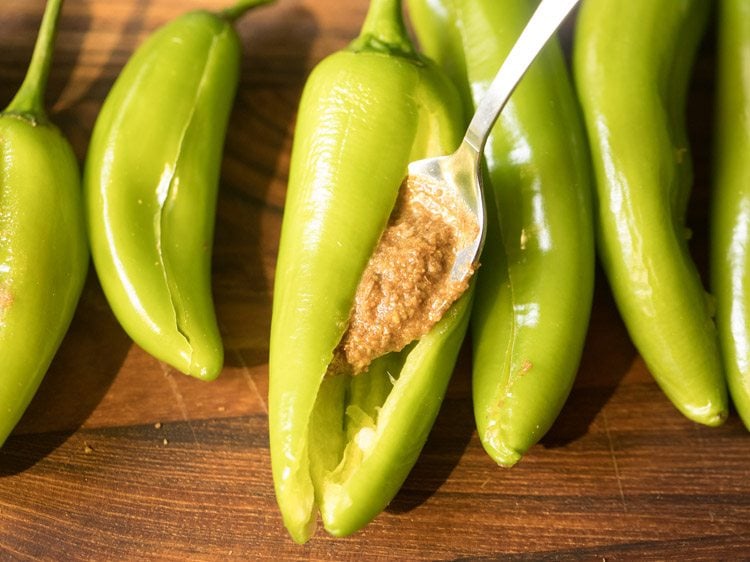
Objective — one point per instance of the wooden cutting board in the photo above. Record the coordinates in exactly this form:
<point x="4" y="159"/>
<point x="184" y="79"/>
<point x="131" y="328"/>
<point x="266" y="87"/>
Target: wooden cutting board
<point x="121" y="458"/>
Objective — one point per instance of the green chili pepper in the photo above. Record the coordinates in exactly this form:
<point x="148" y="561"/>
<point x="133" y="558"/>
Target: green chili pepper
<point x="730" y="219"/>
<point x="344" y="444"/>
<point x="535" y="285"/>
<point x="151" y="183"/>
<point x="632" y="63"/>
<point x="43" y="251"/>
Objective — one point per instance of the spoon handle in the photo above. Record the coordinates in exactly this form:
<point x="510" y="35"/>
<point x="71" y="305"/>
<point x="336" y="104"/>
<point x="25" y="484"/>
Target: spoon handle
<point x="542" y="24"/>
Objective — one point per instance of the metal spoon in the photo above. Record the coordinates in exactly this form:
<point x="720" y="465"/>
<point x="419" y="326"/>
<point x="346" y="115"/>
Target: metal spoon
<point x="461" y="170"/>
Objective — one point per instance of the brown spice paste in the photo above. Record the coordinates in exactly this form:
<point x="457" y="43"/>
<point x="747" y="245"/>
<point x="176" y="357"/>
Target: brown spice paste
<point x="406" y="286"/>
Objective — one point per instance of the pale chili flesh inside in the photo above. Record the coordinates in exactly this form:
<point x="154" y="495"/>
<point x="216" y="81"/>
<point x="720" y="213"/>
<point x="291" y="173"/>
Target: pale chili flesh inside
<point x="406" y="287"/>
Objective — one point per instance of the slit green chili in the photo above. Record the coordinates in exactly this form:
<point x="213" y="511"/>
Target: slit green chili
<point x="632" y="62"/>
<point x="342" y="445"/>
<point x="151" y="182"/>
<point x="730" y="216"/>
<point x="535" y="285"/>
<point x="43" y="250"/>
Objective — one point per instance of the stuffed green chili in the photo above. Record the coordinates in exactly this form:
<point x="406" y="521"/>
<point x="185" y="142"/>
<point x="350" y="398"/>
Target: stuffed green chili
<point x="730" y="218"/>
<point x="43" y="251"/>
<point x="151" y="182"/>
<point x="535" y="284"/>
<point x="632" y="63"/>
<point x="342" y="444"/>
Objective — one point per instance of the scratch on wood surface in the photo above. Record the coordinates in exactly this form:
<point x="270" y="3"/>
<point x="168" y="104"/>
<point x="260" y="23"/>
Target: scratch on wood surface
<point x="704" y="463"/>
<point x="167" y="370"/>
<point x="250" y="381"/>
<point x="614" y="461"/>
<point x="698" y="430"/>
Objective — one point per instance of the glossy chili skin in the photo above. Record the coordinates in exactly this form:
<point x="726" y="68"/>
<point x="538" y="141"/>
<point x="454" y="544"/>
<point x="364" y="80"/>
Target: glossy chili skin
<point x="342" y="445"/>
<point x="535" y="283"/>
<point x="730" y="219"/>
<point x="632" y="63"/>
<point x="151" y="182"/>
<point x="43" y="250"/>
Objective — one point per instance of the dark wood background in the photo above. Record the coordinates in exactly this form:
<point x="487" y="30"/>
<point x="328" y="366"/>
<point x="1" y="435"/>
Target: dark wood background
<point x="121" y="458"/>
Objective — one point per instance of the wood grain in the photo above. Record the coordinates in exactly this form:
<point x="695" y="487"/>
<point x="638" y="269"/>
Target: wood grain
<point x="121" y="458"/>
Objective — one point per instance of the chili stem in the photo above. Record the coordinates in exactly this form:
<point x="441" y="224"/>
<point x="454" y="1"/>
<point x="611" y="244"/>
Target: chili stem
<point x="29" y="100"/>
<point x="384" y="29"/>
<point x="235" y="12"/>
